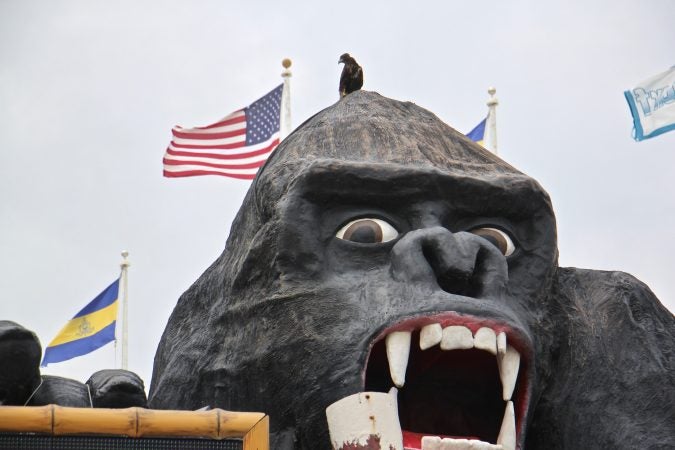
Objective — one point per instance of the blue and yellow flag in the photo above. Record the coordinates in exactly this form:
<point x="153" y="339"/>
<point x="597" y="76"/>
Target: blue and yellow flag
<point x="478" y="133"/>
<point x="91" y="328"/>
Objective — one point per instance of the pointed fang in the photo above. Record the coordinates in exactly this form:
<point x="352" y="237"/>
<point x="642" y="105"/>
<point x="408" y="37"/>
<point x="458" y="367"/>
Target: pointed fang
<point x="509" y="364"/>
<point x="398" y="351"/>
<point x="507" y="434"/>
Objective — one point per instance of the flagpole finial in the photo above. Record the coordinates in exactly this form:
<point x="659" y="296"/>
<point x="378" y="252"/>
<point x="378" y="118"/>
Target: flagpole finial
<point x="125" y="262"/>
<point x="286" y="63"/>
<point x="491" y="123"/>
<point x="492" y="101"/>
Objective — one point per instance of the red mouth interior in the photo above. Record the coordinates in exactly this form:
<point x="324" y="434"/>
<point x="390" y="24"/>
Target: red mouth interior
<point x="454" y="393"/>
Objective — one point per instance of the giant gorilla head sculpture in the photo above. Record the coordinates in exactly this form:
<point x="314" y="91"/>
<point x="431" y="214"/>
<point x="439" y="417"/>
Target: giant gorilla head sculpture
<point x="374" y="225"/>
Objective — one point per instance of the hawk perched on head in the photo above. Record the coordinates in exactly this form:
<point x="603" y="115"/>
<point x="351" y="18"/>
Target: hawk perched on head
<point x="352" y="75"/>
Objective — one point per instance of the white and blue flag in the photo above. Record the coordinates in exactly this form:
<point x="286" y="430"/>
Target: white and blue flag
<point x="652" y="104"/>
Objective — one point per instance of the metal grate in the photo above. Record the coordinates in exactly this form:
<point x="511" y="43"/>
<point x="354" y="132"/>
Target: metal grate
<point x="42" y="442"/>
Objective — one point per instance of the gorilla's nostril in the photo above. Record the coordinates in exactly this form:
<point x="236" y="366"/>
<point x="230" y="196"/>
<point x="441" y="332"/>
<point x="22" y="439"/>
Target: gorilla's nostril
<point x="455" y="283"/>
<point x="450" y="277"/>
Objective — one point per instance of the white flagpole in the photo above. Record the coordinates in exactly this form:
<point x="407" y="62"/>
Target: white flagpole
<point x="285" y="124"/>
<point x="491" y="123"/>
<point x="125" y="329"/>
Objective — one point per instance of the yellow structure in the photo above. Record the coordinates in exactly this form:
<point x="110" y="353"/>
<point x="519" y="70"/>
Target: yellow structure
<point x="252" y="428"/>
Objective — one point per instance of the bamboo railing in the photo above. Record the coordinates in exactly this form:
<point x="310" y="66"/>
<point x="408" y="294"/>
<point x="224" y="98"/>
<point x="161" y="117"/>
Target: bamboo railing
<point x="251" y="427"/>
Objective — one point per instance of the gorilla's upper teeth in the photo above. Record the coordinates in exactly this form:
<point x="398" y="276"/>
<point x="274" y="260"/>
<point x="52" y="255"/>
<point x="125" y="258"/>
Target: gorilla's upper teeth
<point x="501" y="343"/>
<point x="486" y="339"/>
<point x="456" y="338"/>
<point x="430" y="335"/>
<point x="398" y="351"/>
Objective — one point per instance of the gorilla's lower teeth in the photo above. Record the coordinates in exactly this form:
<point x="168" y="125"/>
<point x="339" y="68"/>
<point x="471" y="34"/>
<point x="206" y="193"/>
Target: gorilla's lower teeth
<point x="507" y="433"/>
<point x="505" y="441"/>
<point x="436" y="443"/>
<point x="373" y="416"/>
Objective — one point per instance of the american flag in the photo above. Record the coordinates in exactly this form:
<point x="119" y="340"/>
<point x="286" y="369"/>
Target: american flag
<point x="235" y="146"/>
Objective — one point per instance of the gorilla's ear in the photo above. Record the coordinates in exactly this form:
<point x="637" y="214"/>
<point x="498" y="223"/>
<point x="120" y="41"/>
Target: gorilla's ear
<point x="20" y="354"/>
<point x="116" y="389"/>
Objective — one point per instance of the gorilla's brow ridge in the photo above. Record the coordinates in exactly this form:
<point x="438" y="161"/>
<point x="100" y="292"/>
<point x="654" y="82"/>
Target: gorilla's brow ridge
<point x="337" y="181"/>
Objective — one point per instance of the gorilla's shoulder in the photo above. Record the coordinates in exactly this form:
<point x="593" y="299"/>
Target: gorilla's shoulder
<point x="614" y="281"/>
<point x="612" y="299"/>
<point x="614" y="367"/>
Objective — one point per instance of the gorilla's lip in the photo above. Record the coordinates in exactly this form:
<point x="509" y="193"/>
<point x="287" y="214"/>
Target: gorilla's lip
<point x="424" y="393"/>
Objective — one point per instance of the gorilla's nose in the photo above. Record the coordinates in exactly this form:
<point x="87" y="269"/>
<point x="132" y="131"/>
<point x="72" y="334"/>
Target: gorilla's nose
<point x="459" y="263"/>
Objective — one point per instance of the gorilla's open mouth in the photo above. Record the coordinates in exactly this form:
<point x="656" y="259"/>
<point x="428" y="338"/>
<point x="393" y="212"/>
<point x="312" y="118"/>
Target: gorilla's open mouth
<point x="458" y="381"/>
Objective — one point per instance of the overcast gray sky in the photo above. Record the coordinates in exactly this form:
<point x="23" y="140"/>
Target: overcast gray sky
<point x="89" y="91"/>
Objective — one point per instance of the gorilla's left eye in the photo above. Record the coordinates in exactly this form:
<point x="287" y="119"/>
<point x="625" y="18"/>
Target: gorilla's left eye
<point x="498" y="238"/>
<point x="367" y="231"/>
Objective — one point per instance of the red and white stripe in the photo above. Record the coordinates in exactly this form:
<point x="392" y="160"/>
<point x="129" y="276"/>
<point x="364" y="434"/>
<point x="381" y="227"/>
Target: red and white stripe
<point x="218" y="149"/>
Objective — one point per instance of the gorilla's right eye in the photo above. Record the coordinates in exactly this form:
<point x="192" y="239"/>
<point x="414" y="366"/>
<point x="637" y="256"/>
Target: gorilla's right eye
<point x="498" y="238"/>
<point x="367" y="231"/>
